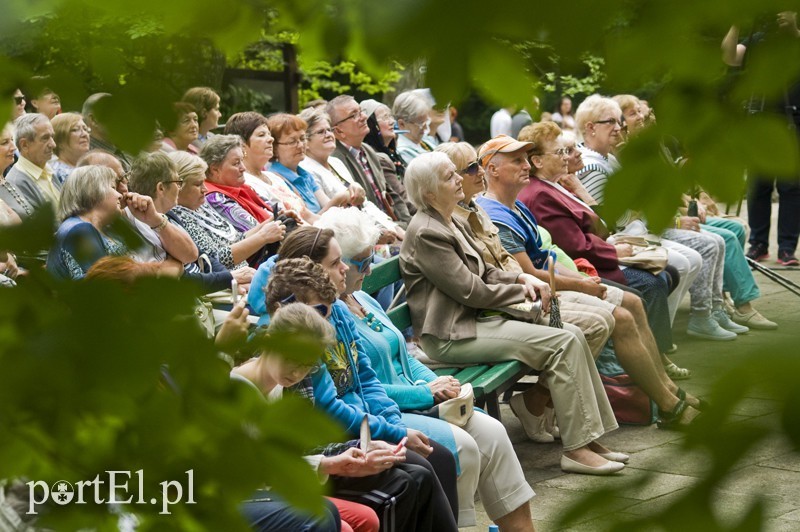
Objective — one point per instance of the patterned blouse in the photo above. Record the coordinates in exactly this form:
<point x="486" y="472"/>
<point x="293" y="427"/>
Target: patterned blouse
<point x="231" y="211"/>
<point x="212" y="233"/>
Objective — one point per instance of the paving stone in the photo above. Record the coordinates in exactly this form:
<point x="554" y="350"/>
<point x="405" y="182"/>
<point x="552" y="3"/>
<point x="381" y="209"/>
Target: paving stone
<point x="653" y="484"/>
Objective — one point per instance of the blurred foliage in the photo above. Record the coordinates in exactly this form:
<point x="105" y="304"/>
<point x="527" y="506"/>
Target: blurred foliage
<point x="85" y="393"/>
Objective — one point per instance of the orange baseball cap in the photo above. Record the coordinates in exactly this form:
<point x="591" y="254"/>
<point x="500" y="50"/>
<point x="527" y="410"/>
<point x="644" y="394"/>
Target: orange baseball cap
<point x="501" y="144"/>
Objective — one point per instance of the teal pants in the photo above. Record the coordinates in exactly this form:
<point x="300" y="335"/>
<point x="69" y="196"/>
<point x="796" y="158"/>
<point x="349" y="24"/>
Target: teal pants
<point x="737" y="278"/>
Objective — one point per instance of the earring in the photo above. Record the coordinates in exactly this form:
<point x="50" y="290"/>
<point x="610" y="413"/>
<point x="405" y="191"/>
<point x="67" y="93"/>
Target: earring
<point x="244" y="153"/>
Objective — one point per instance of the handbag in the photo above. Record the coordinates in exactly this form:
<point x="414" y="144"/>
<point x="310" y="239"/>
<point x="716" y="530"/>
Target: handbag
<point x="528" y="310"/>
<point x="647" y="255"/>
<point x="457" y="410"/>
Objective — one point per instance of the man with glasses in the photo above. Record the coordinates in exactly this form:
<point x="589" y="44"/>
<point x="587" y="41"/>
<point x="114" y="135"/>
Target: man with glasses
<point x="350" y="127"/>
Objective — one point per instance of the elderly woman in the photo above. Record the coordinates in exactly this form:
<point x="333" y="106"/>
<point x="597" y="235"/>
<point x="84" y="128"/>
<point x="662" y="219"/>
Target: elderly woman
<point x="486" y="457"/>
<point x="412" y="113"/>
<point x="347" y="387"/>
<point x="212" y="233"/>
<point x="449" y="288"/>
<point x="227" y="193"/>
<point x="89" y="203"/>
<point x="155" y="177"/>
<point x="9" y="194"/>
<point x="290" y="137"/>
<point x="258" y="149"/>
<point x="206" y="103"/>
<point x="72" y="142"/>
<point x="182" y="130"/>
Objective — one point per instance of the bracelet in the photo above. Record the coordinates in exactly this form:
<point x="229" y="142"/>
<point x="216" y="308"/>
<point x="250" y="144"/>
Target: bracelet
<point x="162" y="225"/>
<point x="677" y="222"/>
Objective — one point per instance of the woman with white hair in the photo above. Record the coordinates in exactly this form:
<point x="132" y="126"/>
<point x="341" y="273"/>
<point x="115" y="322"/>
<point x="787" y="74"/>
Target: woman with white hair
<point x="413" y="114"/>
<point x="486" y="457"/>
<point x="89" y="203"/>
<point x="451" y="292"/>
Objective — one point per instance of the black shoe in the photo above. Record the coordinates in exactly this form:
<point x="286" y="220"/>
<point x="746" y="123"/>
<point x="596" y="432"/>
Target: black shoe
<point x="758" y="252"/>
<point x="787" y="258"/>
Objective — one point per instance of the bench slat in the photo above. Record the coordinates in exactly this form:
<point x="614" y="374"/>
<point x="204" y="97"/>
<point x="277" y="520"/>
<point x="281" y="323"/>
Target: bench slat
<point x="400" y="316"/>
<point x="383" y="274"/>
<point x="471" y="373"/>
<point x="497" y="375"/>
<point x="446" y="372"/>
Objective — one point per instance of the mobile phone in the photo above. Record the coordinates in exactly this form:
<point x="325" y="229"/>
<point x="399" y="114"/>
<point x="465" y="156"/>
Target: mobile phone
<point x="235" y="291"/>
<point x="692" y="210"/>
<point x="400" y="445"/>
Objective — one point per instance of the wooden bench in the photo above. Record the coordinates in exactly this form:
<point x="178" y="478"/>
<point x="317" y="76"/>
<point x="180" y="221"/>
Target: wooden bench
<point x="489" y="381"/>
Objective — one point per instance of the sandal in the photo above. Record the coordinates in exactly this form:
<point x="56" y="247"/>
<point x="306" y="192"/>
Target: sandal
<point x="702" y="404"/>
<point x="676" y="373"/>
<point x="672" y="420"/>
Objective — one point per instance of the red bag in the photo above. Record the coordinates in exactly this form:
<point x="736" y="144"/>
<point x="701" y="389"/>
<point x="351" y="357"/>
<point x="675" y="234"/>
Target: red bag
<point x="630" y="404"/>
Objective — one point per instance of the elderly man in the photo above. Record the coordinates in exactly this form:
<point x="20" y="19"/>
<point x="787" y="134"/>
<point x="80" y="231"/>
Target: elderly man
<point x="99" y="135"/>
<point x="30" y="175"/>
<point x="349" y="125"/>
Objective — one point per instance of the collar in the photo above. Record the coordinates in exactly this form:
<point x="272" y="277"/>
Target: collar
<point x="35" y="172"/>
<point x="289" y="174"/>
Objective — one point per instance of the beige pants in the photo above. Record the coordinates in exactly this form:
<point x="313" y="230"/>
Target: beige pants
<point x="588" y="313"/>
<point x="562" y="355"/>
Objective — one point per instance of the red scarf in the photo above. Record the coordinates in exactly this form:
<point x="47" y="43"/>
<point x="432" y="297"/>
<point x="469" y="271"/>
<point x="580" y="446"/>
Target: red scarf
<point x="246" y="197"/>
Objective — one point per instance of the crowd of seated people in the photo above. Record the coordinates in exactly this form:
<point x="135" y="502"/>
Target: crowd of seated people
<point x="297" y="209"/>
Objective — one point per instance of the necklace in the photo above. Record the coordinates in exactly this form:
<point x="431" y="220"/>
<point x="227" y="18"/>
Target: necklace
<point x="368" y="318"/>
<point x="17" y="196"/>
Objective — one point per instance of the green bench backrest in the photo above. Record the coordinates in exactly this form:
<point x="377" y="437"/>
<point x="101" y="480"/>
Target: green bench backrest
<point x="383" y="274"/>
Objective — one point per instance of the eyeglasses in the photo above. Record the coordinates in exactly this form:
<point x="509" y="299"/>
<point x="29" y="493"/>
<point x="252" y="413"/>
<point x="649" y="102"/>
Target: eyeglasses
<point x="323" y="132"/>
<point x="611" y="121"/>
<point x="122" y="178"/>
<point x="361" y="265"/>
<point x="389" y="119"/>
<point x="80" y="129"/>
<point x="561" y="152"/>
<point x="471" y="169"/>
<point x="295" y="143"/>
<point x="180" y="183"/>
<point x="356" y="114"/>
<point x="322" y="308"/>
<point x="19" y="99"/>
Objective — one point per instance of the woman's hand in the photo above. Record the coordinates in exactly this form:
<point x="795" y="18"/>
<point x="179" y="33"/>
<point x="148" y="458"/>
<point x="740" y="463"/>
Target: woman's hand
<point x="623" y="250"/>
<point x="8" y="266"/>
<point x="536" y="289"/>
<point x="273" y="231"/>
<point x="234" y="328"/>
<point x="444" y="388"/>
<point x="570" y="182"/>
<point x="701" y="212"/>
<point x="418" y="442"/>
<point x="357" y="194"/>
<point x="341" y="198"/>
<point x="690" y="223"/>
<point x="243" y="276"/>
<point x="143" y="208"/>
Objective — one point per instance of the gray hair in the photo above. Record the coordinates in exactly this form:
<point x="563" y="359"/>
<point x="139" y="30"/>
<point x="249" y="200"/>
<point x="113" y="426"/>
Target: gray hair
<point x="217" y="148"/>
<point x="26" y="126"/>
<point x="91" y="101"/>
<point x="333" y="106"/>
<point x="353" y="229"/>
<point x="592" y="108"/>
<point x="188" y="165"/>
<point x="148" y="170"/>
<point x="85" y="189"/>
<point x="409" y="106"/>
<point x="423" y="175"/>
<point x="314" y="116"/>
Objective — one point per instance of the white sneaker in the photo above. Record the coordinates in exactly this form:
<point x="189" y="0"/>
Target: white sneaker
<point x="534" y="425"/>
<point x="707" y="327"/>
<point x="726" y="323"/>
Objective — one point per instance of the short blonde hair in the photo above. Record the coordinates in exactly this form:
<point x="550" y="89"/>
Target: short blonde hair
<point x="461" y="154"/>
<point x="423" y="175"/>
<point x="592" y="108"/>
<point x="188" y="165"/>
<point x="626" y="101"/>
<point x="62" y="124"/>
<point x="539" y="134"/>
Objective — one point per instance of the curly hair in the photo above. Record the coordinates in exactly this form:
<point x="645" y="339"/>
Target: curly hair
<point x="301" y="277"/>
<point x="539" y="135"/>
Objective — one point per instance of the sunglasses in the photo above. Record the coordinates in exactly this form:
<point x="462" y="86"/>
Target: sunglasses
<point x="19" y="99"/>
<point x="322" y="308"/>
<point x="361" y="265"/>
<point x="471" y="169"/>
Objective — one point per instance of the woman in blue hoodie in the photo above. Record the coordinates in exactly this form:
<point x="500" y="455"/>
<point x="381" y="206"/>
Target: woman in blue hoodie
<point x="347" y="387"/>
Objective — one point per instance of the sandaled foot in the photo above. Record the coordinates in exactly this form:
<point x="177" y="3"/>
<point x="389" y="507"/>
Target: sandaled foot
<point x="679" y="418"/>
<point x="676" y="373"/>
<point x="691" y="400"/>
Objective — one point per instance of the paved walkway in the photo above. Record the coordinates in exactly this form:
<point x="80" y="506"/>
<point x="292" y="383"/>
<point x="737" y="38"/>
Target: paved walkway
<point x="661" y="471"/>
